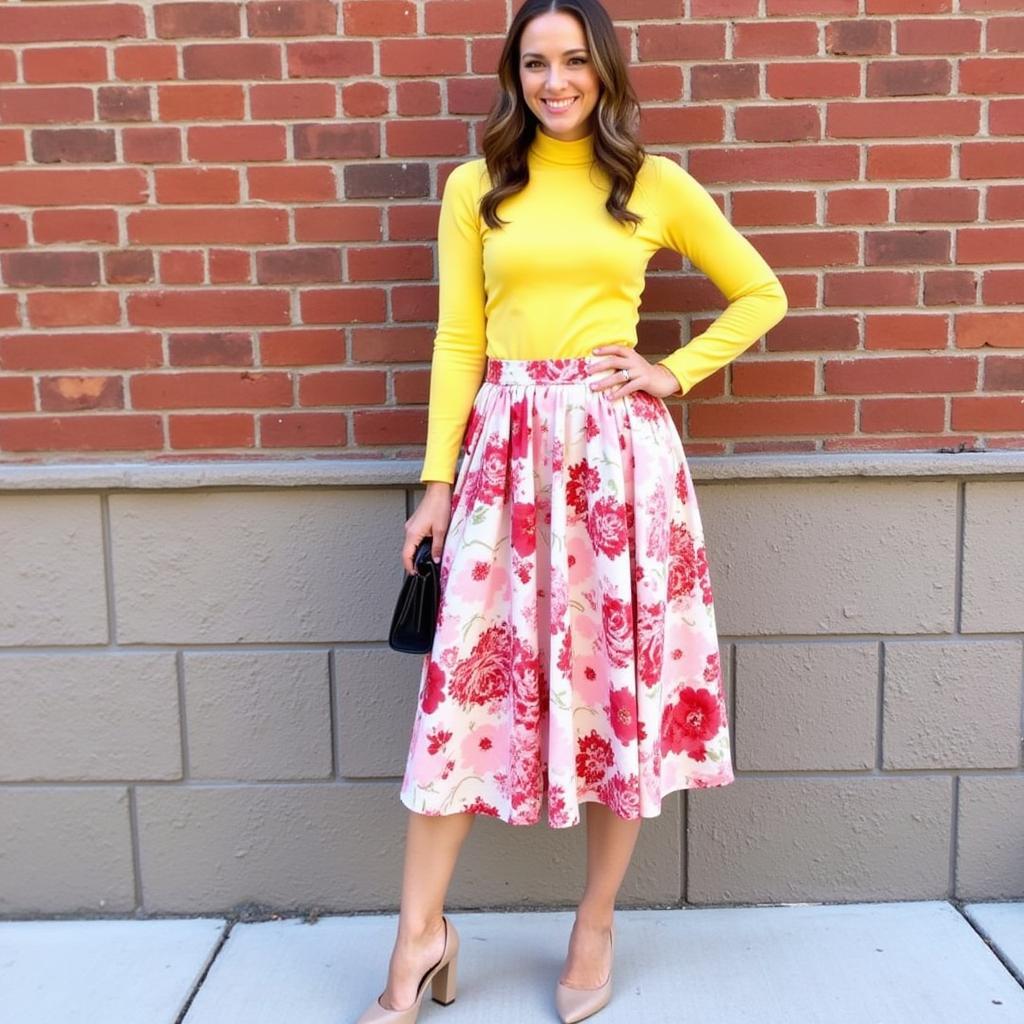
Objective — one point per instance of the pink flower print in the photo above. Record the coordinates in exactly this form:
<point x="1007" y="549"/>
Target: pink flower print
<point x="524" y="527"/>
<point x="484" y="748"/>
<point x="519" y="439"/>
<point x="622" y="795"/>
<point x="689" y="723"/>
<point x="607" y="526"/>
<point x="437" y="739"/>
<point x="650" y="642"/>
<point x="618" y="630"/>
<point x="433" y="688"/>
<point x="623" y="716"/>
<point x="593" y="756"/>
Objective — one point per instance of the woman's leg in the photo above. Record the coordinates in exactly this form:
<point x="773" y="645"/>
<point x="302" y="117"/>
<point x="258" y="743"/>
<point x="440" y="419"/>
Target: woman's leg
<point x="432" y="846"/>
<point x="610" y="843"/>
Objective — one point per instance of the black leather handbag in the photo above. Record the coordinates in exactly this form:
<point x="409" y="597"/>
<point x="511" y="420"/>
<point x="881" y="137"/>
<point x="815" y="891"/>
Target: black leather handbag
<point x="415" y="617"/>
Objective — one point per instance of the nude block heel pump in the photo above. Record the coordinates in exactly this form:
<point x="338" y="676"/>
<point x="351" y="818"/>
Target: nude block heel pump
<point x="442" y="986"/>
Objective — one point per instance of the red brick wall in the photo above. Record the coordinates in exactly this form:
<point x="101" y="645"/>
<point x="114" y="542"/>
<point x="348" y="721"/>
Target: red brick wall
<point x="217" y="222"/>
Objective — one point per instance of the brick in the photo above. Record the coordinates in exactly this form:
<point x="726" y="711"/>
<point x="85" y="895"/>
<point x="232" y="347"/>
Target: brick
<point x="151" y="145"/>
<point x="332" y="58"/>
<point x="204" y="226"/>
<point x="901" y="374"/>
<point x="764" y="378"/>
<point x="858" y="38"/>
<point x="292" y="184"/>
<point x="909" y="78"/>
<point x="938" y="36"/>
<point x="382" y="180"/>
<point x="17" y="394"/>
<point x="812" y="80"/>
<point x="814" y="332"/>
<point x="303" y="430"/>
<point x="1003" y="287"/>
<point x="192" y="185"/>
<point x="796" y="8"/>
<point x="52" y="269"/>
<point x="434" y="137"/>
<point x="775" y="163"/>
<point x="990" y="245"/>
<point x="181" y="267"/>
<point x="419" y="57"/>
<point x="246" y="61"/>
<point x="335" y="141"/>
<point x="908" y="6"/>
<point x="51" y="226"/>
<point x="464" y="17"/>
<point x="364" y="99"/>
<point x="937" y="204"/>
<point x="229" y="266"/>
<point x="123" y="103"/>
<point x="903" y="118"/>
<point x="723" y="81"/>
<point x="681" y="42"/>
<point x="888" y="415"/>
<point x="418" y="99"/>
<point x="197" y="20"/>
<point x="379" y="18"/>
<point x="777" y="123"/>
<point x="91" y="308"/>
<point x="773" y="206"/>
<point x="817" y="416"/>
<point x="723" y="8"/>
<point x="342" y="305"/>
<point x="343" y="387"/>
<point x="49" y="187"/>
<point x="293" y="101"/>
<point x="870" y="288"/>
<point x="1005" y="202"/>
<point x="65" y="64"/>
<point x="950" y="288"/>
<point x="991" y="159"/>
<point x="237" y="143"/>
<point x="911" y="162"/>
<point x="856" y="206"/>
<point x="147" y="62"/>
<point x="1004" y="373"/>
<point x="305" y="347"/>
<point x="215" y="389"/>
<point x="1000" y="330"/>
<point x="399" y="426"/>
<point x="808" y="248"/>
<point x="1005" y="35"/>
<point x="298" y="266"/>
<point x="894" y="248"/>
<point x="1006" y="117"/>
<point x="906" y="331"/>
<point x="79" y="21"/>
<point x="128" y="266"/>
<point x="986" y="76"/>
<point x="201" y="102"/>
<point x="338" y="224"/>
<point x="984" y="412"/>
<point x="95" y="433"/>
<point x="208" y="307"/>
<point x="775" y="39"/>
<point x="688" y="123"/>
<point x="475" y="95"/>
<point x="210" y="348"/>
<point x="211" y="430"/>
<point x="73" y="145"/>
<point x="276" y="18"/>
<point x="67" y="394"/>
<point x="45" y="105"/>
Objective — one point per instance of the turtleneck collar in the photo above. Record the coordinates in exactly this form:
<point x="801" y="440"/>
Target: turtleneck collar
<point x="558" y="151"/>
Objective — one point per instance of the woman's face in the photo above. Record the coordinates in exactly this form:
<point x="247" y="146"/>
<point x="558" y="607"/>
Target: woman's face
<point x="555" y="66"/>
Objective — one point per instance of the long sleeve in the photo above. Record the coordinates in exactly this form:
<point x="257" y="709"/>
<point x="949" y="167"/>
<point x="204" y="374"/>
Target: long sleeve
<point x="695" y="227"/>
<point x="459" y="356"/>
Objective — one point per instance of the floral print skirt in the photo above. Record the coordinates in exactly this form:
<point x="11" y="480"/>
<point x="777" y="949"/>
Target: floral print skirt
<point x="576" y="657"/>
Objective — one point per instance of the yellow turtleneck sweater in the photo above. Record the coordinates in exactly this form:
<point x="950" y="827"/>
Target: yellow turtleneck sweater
<point x="564" y="277"/>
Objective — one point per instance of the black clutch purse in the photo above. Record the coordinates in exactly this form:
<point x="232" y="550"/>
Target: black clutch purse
<point x="415" y="617"/>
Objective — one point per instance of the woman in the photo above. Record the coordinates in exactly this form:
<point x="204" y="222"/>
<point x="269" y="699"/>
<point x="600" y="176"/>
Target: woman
<point x="576" y="657"/>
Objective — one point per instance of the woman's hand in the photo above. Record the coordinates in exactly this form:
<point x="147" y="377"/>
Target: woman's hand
<point x="654" y="378"/>
<point x="430" y="519"/>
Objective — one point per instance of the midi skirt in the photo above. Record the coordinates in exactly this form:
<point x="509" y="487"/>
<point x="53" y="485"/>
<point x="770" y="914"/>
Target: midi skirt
<point x="576" y="657"/>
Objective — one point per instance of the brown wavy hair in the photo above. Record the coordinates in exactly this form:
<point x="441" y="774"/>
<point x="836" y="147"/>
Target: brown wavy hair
<point x="511" y="125"/>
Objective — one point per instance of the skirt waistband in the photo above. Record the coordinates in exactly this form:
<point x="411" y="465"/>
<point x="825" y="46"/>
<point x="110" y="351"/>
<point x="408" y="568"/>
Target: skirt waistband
<point x="514" y="372"/>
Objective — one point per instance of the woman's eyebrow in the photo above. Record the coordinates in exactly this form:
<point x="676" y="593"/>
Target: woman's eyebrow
<point x="578" y="49"/>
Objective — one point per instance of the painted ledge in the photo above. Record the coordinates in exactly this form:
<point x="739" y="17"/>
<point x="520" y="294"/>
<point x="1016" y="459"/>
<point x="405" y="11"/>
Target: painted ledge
<point x="377" y="472"/>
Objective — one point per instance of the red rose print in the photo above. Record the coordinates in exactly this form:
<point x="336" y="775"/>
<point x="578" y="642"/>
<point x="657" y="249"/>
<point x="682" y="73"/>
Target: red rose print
<point x="437" y="739"/>
<point x="433" y="688"/>
<point x="623" y="715"/>
<point x="650" y="642"/>
<point x="607" y="526"/>
<point x="622" y="795"/>
<point x="524" y="527"/>
<point x="484" y="677"/>
<point x="583" y="480"/>
<point x="618" y="630"/>
<point x="682" y="566"/>
<point x="686" y="725"/>
<point x="478" y="806"/>
<point x="493" y="471"/>
<point x="519" y="443"/>
<point x="593" y="755"/>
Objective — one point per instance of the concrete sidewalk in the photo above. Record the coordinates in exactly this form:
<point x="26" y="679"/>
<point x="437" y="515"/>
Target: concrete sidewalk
<point x="859" y="963"/>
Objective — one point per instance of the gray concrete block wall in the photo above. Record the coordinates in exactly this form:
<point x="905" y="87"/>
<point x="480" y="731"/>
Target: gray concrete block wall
<point x="199" y="710"/>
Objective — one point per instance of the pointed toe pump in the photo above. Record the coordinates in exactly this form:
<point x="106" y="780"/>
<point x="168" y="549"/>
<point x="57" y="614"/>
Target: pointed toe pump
<point x="441" y="978"/>
<point x="574" y="1004"/>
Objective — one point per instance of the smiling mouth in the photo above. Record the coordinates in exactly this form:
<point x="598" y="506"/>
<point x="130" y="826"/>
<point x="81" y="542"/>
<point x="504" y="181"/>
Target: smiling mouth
<point x="561" y="105"/>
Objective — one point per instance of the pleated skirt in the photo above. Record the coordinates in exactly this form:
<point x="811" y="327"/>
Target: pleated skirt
<point x="576" y="656"/>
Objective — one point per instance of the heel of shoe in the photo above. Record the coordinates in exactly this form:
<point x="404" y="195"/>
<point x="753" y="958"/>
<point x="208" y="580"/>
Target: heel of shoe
<point x="442" y="985"/>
